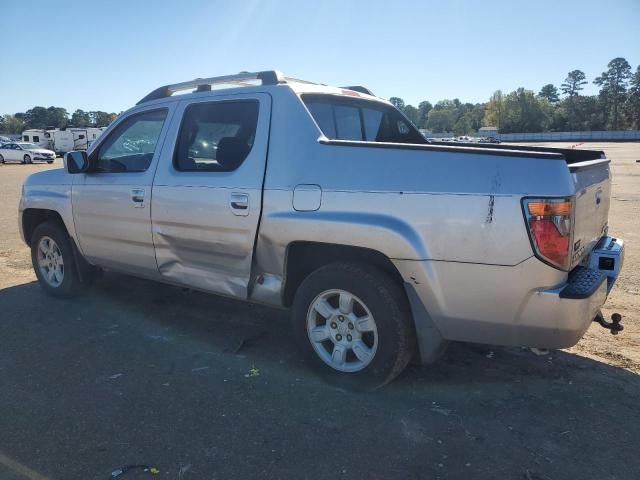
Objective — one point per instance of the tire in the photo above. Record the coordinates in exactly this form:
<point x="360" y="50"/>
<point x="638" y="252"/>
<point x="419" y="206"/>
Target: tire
<point x="390" y="338"/>
<point x="1" y="159"/>
<point x="26" y="159"/>
<point x="49" y="162"/>
<point x="51" y="249"/>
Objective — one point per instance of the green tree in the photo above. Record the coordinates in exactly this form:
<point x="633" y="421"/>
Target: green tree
<point x="13" y="125"/>
<point x="478" y="113"/>
<point x="613" y="86"/>
<point x="523" y="112"/>
<point x="574" y="82"/>
<point x="57" y="117"/>
<point x="424" y="108"/>
<point x="632" y="105"/>
<point x="36" y="117"/>
<point x="572" y="87"/>
<point x="412" y="113"/>
<point x="441" y="120"/>
<point x="80" y="118"/>
<point x="494" y="111"/>
<point x="550" y="92"/>
<point x="397" y="102"/>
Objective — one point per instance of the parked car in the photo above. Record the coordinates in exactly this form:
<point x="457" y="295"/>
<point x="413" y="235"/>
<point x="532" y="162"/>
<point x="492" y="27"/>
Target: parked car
<point x="24" y="152"/>
<point x="330" y="202"/>
<point x="4" y="139"/>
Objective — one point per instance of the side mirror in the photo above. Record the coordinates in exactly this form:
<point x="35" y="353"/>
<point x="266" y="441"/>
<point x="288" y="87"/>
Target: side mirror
<point x="76" y="162"/>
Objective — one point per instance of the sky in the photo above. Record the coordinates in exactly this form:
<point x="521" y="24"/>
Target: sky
<point x="106" y="55"/>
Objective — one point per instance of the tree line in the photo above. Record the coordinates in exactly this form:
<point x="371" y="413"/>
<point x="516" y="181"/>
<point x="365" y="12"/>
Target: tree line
<point x="615" y="107"/>
<point x="53" y="117"/>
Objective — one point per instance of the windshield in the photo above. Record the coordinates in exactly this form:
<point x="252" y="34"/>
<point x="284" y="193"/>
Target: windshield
<point x="28" y="146"/>
<point x="347" y="118"/>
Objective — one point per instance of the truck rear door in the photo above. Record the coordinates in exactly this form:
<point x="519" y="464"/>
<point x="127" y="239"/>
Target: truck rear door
<point x="207" y="192"/>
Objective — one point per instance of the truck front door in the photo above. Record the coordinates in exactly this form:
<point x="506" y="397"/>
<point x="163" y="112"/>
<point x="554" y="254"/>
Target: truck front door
<point x="111" y="206"/>
<point x="207" y="193"/>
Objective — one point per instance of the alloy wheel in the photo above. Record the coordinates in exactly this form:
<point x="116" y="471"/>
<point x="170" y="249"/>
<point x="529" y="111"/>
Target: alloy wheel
<point x="50" y="262"/>
<point x="342" y="330"/>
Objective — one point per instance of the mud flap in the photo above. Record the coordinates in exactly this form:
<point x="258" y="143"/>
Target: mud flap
<point x="87" y="273"/>
<point x="431" y="344"/>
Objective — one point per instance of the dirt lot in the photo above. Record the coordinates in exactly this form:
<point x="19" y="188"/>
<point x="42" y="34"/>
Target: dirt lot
<point x="136" y="372"/>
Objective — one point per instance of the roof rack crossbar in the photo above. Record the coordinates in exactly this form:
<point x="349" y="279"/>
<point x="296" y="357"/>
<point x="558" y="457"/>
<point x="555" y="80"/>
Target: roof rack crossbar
<point x="268" y="77"/>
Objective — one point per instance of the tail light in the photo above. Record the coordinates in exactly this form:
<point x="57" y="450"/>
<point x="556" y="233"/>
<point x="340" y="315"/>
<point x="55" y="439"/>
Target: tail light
<point x="550" y="223"/>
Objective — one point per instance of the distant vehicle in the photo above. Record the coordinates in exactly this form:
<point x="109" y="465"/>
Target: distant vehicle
<point x="4" y="139"/>
<point x="37" y="136"/>
<point x="74" y="138"/>
<point x="492" y="140"/>
<point x="24" y="152"/>
<point x="62" y="141"/>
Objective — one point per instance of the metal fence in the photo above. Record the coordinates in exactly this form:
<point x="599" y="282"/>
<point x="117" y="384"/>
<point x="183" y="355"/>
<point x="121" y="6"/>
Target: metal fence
<point x="569" y="136"/>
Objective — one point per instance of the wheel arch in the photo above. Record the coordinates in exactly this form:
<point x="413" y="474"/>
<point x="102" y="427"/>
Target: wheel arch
<point x="303" y="257"/>
<point x="32" y="217"/>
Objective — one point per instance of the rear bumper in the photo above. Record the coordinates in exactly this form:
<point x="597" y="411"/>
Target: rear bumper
<point x="530" y="304"/>
<point x="576" y="303"/>
<point x="559" y="317"/>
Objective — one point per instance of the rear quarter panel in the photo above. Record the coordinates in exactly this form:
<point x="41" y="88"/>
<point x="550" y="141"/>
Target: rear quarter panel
<point x="406" y="203"/>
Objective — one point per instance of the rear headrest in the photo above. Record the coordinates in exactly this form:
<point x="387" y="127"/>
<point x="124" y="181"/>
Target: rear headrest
<point x="231" y="152"/>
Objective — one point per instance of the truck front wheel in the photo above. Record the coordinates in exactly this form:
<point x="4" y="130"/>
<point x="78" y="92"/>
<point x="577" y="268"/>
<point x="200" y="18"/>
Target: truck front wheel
<point x="354" y="325"/>
<point x="53" y="260"/>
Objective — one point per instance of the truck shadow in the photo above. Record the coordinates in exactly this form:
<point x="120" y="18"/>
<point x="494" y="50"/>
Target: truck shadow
<point x="236" y="326"/>
<point x="505" y="410"/>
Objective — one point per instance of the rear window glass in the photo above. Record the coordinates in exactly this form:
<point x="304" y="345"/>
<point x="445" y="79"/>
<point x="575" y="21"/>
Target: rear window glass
<point x="346" y="118"/>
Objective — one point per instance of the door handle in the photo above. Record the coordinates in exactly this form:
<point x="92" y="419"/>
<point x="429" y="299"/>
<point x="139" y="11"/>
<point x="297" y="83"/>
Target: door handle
<point x="137" y="196"/>
<point x="239" y="203"/>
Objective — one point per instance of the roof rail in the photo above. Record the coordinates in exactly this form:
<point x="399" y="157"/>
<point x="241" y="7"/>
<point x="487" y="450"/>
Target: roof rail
<point x="268" y="77"/>
<point x="359" y="88"/>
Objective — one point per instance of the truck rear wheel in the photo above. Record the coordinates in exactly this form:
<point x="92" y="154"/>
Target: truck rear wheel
<point x="53" y="261"/>
<point x="354" y="325"/>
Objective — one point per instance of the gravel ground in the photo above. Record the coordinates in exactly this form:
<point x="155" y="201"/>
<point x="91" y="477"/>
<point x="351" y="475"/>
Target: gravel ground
<point x="137" y="372"/>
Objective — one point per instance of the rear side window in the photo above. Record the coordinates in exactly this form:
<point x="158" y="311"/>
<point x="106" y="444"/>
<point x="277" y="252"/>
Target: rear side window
<point x="36" y="138"/>
<point x="131" y="146"/>
<point x="217" y="136"/>
<point x="347" y="118"/>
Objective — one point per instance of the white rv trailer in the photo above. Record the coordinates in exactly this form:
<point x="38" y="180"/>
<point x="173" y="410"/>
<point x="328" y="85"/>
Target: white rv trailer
<point x="73" y="138"/>
<point x="63" y="141"/>
<point x="40" y="137"/>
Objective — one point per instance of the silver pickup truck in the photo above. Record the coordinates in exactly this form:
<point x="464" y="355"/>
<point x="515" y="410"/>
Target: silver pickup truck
<point x="329" y="201"/>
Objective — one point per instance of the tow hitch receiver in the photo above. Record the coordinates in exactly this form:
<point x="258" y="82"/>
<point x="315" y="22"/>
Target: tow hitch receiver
<point x="614" y="326"/>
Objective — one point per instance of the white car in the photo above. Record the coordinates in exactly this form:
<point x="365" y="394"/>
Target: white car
<point x="24" y="152"/>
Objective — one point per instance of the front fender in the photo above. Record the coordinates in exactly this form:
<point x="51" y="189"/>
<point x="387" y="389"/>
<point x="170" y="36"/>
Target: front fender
<point x="52" y="198"/>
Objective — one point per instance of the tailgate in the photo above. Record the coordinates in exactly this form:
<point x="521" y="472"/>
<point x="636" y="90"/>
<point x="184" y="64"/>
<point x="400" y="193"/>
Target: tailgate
<point x="593" y="192"/>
